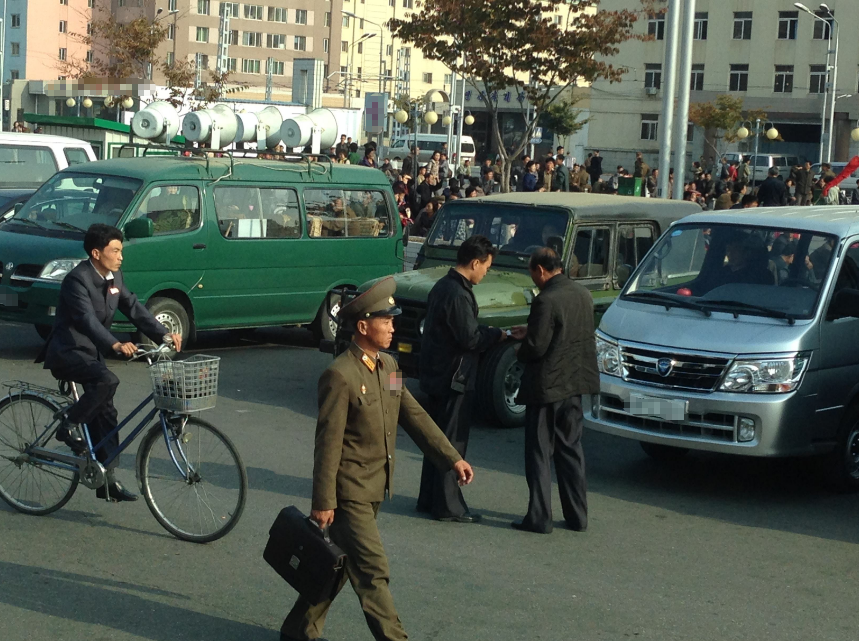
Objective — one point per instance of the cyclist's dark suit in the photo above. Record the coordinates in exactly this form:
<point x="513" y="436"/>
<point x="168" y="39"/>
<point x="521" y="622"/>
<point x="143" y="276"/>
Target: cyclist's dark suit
<point x="81" y="337"/>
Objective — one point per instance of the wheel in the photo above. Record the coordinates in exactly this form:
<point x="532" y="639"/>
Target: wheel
<point x="841" y="467"/>
<point x="498" y="385"/>
<point x="30" y="486"/>
<point x="664" y="453"/>
<point x="43" y="331"/>
<point x="208" y="504"/>
<point x="173" y="315"/>
<point x="324" y="327"/>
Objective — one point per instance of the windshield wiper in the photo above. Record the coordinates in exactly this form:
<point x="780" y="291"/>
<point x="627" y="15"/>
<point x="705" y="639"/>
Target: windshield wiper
<point x="28" y="221"/>
<point x="669" y="301"/>
<point x="64" y="225"/>
<point x="767" y="311"/>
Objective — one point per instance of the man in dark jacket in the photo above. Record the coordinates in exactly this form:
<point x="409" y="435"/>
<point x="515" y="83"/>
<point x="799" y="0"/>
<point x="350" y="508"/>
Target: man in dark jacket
<point x="804" y="184"/>
<point x="560" y="360"/>
<point x="595" y="167"/>
<point x="772" y="192"/>
<point x="450" y="349"/>
<point x="561" y="181"/>
<point x="89" y="297"/>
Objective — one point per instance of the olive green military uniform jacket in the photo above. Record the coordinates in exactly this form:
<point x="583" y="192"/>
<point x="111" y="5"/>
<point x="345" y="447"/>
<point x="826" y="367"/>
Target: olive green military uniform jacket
<point x="356" y="431"/>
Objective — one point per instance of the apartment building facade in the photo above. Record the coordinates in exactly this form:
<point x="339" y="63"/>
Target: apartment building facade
<point x="767" y="52"/>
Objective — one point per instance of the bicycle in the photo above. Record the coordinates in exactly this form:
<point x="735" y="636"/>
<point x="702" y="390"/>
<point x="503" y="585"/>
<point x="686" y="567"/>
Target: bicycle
<point x="189" y="473"/>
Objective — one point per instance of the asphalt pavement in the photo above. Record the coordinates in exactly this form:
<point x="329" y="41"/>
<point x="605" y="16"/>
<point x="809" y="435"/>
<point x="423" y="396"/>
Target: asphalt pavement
<point x="712" y="547"/>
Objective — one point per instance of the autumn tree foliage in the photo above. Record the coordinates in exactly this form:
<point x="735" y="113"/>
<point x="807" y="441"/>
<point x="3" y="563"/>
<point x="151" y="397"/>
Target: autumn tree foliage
<point x="517" y="45"/>
<point x="720" y="120"/>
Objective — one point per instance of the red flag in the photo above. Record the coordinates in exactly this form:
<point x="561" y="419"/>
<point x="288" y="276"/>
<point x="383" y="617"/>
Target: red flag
<point x="852" y="166"/>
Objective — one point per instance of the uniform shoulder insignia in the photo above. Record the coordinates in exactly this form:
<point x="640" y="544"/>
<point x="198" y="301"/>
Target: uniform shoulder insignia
<point x="368" y="362"/>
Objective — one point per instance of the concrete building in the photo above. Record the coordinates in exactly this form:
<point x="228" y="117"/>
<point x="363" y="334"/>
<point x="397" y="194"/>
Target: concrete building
<point x="765" y="51"/>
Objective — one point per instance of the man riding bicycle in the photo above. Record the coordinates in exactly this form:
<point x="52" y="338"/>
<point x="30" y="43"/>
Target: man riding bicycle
<point x="89" y="297"/>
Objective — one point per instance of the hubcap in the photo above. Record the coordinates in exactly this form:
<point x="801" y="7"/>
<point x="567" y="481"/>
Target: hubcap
<point x="332" y="324"/>
<point x="171" y="322"/>
<point x="512" y="381"/>
<point x="852" y="454"/>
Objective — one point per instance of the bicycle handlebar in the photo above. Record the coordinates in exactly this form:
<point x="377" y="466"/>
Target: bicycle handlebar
<point x="144" y="351"/>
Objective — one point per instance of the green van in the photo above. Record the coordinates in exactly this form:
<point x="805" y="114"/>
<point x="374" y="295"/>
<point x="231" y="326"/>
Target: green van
<point x="211" y="243"/>
<point x="601" y="238"/>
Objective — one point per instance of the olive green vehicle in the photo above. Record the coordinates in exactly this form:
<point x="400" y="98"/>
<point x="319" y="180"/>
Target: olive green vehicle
<point x="602" y="239"/>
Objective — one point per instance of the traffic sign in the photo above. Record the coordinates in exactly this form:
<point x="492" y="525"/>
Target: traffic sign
<point x="537" y="136"/>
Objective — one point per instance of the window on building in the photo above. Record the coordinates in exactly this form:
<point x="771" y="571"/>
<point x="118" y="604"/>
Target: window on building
<point x="277" y="67"/>
<point x="277" y="14"/>
<point x="690" y="133"/>
<point x="252" y="39"/>
<point x="783" y="79"/>
<point x="788" y="21"/>
<point x="14" y="20"/>
<point x="171" y="5"/>
<point x="407" y="4"/>
<point x="649" y="126"/>
<point x="427" y="78"/>
<point x="361" y="24"/>
<point x="448" y="78"/>
<point x="233" y="37"/>
<point x="345" y="21"/>
<point x="15" y="48"/>
<point x="90" y="3"/>
<point x="171" y="31"/>
<point x="656" y="26"/>
<point x="275" y="41"/>
<point x="250" y="66"/>
<point x="203" y="7"/>
<point x="652" y="76"/>
<point x="202" y="34"/>
<point x="300" y="43"/>
<point x="697" y="81"/>
<point x="301" y="16"/>
<point x="65" y="2"/>
<point x="742" y="25"/>
<point x="327" y="21"/>
<point x="389" y="50"/>
<point x="344" y="45"/>
<point x="817" y="79"/>
<point x="170" y="59"/>
<point x="231" y="7"/>
<point x="62" y="53"/>
<point x="232" y="64"/>
<point x="204" y="61"/>
<point x="253" y="12"/>
<point x="558" y="19"/>
<point x="702" y="19"/>
<point x="739" y="78"/>
<point x="325" y="45"/>
<point x="822" y="30"/>
<point x="359" y="73"/>
<point x="14" y="74"/>
<point x="63" y="26"/>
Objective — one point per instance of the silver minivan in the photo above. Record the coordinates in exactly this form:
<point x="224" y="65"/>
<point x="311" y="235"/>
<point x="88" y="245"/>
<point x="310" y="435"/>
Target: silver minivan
<point x="738" y="334"/>
<point x="760" y="164"/>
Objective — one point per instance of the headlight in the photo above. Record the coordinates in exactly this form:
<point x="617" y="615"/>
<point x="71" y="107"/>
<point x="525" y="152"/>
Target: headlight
<point x="421" y="326"/>
<point x="57" y="269"/>
<point x="608" y="356"/>
<point x="766" y="375"/>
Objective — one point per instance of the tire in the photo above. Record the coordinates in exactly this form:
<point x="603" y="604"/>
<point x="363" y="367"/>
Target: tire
<point x="207" y="507"/>
<point x="173" y="315"/>
<point x="498" y="384"/>
<point x="43" y="331"/>
<point x="323" y="327"/>
<point x="663" y="453"/>
<point x="841" y="467"/>
<point x="31" y="487"/>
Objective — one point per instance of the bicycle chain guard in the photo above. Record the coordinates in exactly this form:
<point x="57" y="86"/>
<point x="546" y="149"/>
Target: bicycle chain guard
<point x="92" y="474"/>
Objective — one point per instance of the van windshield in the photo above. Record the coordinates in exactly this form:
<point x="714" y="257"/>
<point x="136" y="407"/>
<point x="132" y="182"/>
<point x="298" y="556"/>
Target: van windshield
<point x="763" y="271"/>
<point x="73" y="202"/>
<point x="514" y="230"/>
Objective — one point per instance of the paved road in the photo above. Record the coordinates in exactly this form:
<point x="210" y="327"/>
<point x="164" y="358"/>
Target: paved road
<point x="713" y="548"/>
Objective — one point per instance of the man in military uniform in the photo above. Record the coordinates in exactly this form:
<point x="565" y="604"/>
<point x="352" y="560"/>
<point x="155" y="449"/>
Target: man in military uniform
<point x="361" y="400"/>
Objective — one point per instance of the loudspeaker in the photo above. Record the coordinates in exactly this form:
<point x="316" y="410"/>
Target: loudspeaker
<point x="270" y="120"/>
<point x="158" y="121"/>
<point x="216" y="126"/>
<point x="246" y="127"/>
<point x="298" y="131"/>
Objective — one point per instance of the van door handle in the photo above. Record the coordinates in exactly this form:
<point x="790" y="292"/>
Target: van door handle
<point x="200" y="246"/>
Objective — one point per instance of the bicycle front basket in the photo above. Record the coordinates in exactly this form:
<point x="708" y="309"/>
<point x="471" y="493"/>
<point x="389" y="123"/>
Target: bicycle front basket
<point x="186" y="386"/>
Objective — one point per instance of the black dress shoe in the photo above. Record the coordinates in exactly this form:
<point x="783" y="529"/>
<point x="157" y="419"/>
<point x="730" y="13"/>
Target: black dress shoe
<point x="577" y="528"/>
<point x="468" y="517"/>
<point x="522" y="526"/>
<point x="116" y="492"/>
<point x="68" y="433"/>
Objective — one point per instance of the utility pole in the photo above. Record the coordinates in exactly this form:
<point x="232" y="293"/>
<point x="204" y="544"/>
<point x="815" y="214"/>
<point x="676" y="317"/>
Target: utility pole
<point x="834" y="86"/>
<point x="223" y="42"/>
<point x="669" y="87"/>
<point x="681" y="122"/>
<point x="268" y="80"/>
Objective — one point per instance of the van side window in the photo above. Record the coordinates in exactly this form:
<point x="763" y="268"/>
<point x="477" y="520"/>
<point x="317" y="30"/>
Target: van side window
<point x="257" y="212"/>
<point x="633" y="242"/>
<point x="173" y="209"/>
<point x="346" y="213"/>
<point x="590" y="253"/>
<point x="75" y="156"/>
<point x="848" y="276"/>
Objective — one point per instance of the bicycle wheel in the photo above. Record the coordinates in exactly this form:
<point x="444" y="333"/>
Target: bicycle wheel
<point x="28" y="485"/>
<point x="208" y="504"/>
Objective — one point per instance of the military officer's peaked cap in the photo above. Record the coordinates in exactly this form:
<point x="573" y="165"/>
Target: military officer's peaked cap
<point x="376" y="301"/>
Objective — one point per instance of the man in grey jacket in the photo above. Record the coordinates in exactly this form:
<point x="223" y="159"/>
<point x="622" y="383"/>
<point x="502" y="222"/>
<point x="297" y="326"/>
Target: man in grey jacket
<point x="559" y="353"/>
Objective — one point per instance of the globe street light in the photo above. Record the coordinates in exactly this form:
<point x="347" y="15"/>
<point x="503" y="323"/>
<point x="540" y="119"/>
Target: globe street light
<point x="760" y="127"/>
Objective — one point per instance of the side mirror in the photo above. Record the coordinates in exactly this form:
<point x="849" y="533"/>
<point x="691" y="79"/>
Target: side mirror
<point x="845" y="304"/>
<point x="18" y="207"/>
<point x="622" y="274"/>
<point x="139" y="228"/>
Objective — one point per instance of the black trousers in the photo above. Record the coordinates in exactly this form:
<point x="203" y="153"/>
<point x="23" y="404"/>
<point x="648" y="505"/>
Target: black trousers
<point x="95" y="407"/>
<point x="440" y="493"/>
<point x="554" y="431"/>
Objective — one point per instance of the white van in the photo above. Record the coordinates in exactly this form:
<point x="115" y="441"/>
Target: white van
<point x="759" y="165"/>
<point x="28" y="160"/>
<point x="428" y="143"/>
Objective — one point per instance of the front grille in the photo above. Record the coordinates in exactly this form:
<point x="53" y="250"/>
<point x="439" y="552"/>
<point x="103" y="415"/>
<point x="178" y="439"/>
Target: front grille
<point x="712" y="426"/>
<point x="689" y="371"/>
<point x="407" y="324"/>
<point x="23" y="273"/>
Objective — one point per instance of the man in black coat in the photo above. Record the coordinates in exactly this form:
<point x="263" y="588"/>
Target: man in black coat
<point x="89" y="297"/>
<point x="804" y="184"/>
<point x="772" y="192"/>
<point x="450" y="351"/>
<point x="595" y="167"/>
<point x="559" y="353"/>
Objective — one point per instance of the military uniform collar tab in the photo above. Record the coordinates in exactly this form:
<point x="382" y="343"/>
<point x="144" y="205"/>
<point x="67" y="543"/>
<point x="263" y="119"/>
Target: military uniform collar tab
<point x="368" y="361"/>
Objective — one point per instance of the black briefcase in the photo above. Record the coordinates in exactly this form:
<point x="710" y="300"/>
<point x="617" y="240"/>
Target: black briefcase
<point x="304" y="556"/>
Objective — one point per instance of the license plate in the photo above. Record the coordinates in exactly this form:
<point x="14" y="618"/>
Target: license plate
<point x="405" y="348"/>
<point x="651" y="407"/>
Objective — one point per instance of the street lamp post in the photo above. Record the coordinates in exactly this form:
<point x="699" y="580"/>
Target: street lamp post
<point x="760" y="127"/>
<point x="381" y="43"/>
<point x="348" y="89"/>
